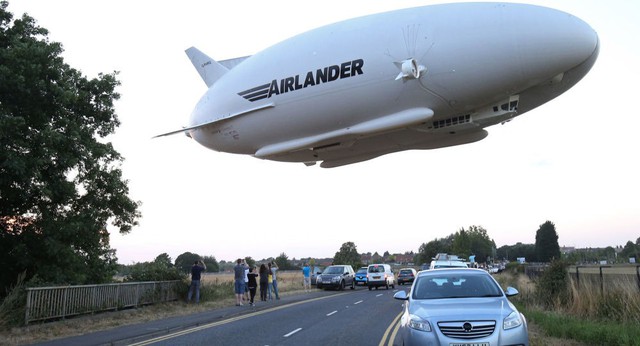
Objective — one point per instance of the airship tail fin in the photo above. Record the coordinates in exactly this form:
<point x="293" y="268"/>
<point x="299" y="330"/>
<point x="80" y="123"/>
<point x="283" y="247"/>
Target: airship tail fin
<point x="210" y="70"/>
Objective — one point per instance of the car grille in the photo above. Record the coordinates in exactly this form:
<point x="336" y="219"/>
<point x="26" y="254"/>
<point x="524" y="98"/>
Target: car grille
<point x="467" y="329"/>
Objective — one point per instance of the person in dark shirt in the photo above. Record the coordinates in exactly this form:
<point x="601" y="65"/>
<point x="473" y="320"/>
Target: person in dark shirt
<point x="264" y="281"/>
<point x="196" y="271"/>
<point x="253" y="284"/>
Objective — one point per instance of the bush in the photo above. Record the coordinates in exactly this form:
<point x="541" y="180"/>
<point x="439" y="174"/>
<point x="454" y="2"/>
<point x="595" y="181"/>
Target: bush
<point x="153" y="271"/>
<point x="13" y="305"/>
<point x="552" y="285"/>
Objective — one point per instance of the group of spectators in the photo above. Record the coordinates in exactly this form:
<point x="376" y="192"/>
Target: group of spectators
<point x="245" y="281"/>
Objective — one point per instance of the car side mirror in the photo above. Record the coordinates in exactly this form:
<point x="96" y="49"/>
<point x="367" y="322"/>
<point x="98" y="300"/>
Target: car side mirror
<point x="401" y="295"/>
<point x="510" y="292"/>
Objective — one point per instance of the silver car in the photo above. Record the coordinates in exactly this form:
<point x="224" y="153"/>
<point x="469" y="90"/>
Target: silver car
<point x="459" y="307"/>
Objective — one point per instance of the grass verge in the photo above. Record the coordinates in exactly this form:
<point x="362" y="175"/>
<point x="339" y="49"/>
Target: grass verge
<point x="590" y="332"/>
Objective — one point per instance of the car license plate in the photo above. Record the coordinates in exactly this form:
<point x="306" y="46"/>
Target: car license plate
<point x="376" y="277"/>
<point x="469" y="344"/>
<point x="326" y="282"/>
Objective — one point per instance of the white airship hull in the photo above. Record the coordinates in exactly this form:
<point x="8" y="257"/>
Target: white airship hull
<point x="420" y="78"/>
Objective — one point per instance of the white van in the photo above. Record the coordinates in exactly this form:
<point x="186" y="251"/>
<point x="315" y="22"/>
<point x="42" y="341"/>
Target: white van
<point x="442" y="260"/>
<point x="380" y="275"/>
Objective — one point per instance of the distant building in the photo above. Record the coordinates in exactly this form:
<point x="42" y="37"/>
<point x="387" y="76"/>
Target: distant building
<point x="404" y="259"/>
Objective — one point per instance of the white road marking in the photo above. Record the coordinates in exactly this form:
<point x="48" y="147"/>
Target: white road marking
<point x="293" y="332"/>
<point x="358" y="302"/>
<point x="379" y="295"/>
<point x="331" y="313"/>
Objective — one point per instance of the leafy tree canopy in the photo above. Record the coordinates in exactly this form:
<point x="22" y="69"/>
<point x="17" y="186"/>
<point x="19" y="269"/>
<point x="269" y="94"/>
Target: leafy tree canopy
<point x="60" y="180"/>
<point x="283" y="262"/>
<point x="547" y="247"/>
<point x="211" y="263"/>
<point x="348" y="254"/>
<point x="160" y="269"/>
<point x="185" y="260"/>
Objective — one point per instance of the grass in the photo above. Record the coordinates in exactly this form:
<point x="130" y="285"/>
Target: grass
<point x="589" y="315"/>
<point x="590" y="332"/>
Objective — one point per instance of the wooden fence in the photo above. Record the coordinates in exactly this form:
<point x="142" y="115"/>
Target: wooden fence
<point x="600" y="275"/>
<point x="45" y="303"/>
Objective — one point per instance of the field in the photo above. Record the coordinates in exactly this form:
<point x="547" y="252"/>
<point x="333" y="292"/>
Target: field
<point x="287" y="280"/>
<point x="617" y="269"/>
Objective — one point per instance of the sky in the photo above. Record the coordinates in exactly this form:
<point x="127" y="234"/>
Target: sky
<point x="573" y="161"/>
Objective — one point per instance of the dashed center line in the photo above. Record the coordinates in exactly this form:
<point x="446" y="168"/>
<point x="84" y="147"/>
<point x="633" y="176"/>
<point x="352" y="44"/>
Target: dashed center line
<point x="331" y="313"/>
<point x="379" y="295"/>
<point x="292" y="332"/>
<point x="358" y="302"/>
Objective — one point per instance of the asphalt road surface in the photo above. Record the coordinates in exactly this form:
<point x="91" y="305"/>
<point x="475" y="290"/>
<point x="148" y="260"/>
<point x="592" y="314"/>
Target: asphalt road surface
<point x="358" y="317"/>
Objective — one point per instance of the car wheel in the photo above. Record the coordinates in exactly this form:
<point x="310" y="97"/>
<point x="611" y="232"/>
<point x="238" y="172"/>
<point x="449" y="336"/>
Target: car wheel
<point x="369" y="288"/>
<point x="387" y="285"/>
<point x="353" y="285"/>
<point x="342" y="285"/>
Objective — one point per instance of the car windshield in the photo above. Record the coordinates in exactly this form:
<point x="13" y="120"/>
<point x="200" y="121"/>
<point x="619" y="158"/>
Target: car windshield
<point x="362" y="271"/>
<point x="455" y="286"/>
<point x="333" y="270"/>
<point x="405" y="272"/>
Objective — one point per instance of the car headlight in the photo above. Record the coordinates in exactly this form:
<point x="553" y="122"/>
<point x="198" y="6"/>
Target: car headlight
<point x="335" y="279"/>
<point x="418" y="323"/>
<point x="512" y="321"/>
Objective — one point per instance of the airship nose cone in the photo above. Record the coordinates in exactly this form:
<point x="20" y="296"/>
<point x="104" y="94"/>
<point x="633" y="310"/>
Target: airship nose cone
<point x="572" y="40"/>
<point x="585" y="44"/>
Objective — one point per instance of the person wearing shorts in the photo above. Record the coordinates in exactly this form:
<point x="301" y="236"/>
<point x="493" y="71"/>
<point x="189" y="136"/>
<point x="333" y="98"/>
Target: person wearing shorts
<point x="239" y="284"/>
<point x="307" y="279"/>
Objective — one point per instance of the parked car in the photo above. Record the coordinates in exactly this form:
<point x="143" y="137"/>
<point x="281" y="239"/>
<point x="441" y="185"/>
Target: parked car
<point x="380" y="275"/>
<point x="406" y="276"/>
<point x="337" y="276"/>
<point x="460" y="307"/>
<point x="361" y="276"/>
<point x="313" y="274"/>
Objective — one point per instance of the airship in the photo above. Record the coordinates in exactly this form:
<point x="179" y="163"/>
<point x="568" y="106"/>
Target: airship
<point x="417" y="78"/>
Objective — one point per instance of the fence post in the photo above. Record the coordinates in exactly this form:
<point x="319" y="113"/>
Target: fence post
<point x="638" y="274"/>
<point x="28" y="307"/>
<point x="578" y="276"/>
<point x="65" y="296"/>
<point x="602" y="279"/>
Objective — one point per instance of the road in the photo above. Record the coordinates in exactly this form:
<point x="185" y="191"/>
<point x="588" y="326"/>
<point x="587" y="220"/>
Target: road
<point x="358" y="317"/>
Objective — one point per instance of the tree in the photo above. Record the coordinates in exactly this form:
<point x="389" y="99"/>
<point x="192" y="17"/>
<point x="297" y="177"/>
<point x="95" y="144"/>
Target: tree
<point x="630" y="250"/>
<point x="283" y="262"/>
<point x="429" y="250"/>
<point x="211" y="263"/>
<point x="160" y="269"/>
<point x="185" y="260"/>
<point x="60" y="181"/>
<point x="547" y="247"/>
<point x="250" y="261"/>
<point x="348" y="254"/>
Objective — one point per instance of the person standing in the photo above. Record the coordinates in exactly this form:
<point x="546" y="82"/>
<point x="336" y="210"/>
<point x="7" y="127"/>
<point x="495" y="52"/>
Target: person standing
<point x="269" y="281"/>
<point x="274" y="268"/>
<point x="253" y="284"/>
<point x="238" y="276"/>
<point x="245" y="297"/>
<point x="196" y="270"/>
<point x="307" y="279"/>
<point x="264" y="279"/>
